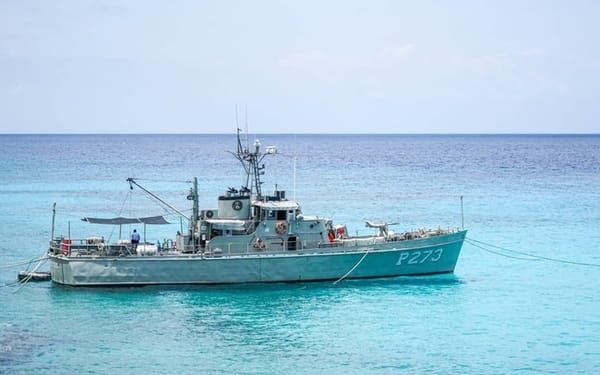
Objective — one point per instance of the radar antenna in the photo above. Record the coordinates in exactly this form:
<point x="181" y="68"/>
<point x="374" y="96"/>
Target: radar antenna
<point x="251" y="161"/>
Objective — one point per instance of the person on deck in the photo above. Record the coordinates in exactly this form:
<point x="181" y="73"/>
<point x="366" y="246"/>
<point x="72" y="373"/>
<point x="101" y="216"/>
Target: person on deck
<point x="135" y="239"/>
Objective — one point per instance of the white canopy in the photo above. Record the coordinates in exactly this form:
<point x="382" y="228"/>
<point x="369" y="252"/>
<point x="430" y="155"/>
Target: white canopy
<point x="227" y="224"/>
<point x="278" y="205"/>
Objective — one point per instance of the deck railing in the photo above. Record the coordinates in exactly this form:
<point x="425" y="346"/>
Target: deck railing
<point x="88" y="246"/>
<point x="271" y="245"/>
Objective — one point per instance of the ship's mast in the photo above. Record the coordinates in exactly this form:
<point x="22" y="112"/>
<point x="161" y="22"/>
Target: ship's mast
<point x="251" y="162"/>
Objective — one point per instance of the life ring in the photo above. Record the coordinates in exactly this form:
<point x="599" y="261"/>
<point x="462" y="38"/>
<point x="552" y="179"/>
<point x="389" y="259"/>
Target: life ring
<point x="65" y="246"/>
<point x="281" y="227"/>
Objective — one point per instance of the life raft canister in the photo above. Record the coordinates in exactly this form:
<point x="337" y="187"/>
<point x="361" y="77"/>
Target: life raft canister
<point x="281" y="227"/>
<point x="258" y="244"/>
<point x="331" y="236"/>
<point x="65" y="246"/>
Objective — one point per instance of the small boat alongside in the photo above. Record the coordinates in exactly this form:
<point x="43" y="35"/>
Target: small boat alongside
<point x="26" y="276"/>
<point x="251" y="237"/>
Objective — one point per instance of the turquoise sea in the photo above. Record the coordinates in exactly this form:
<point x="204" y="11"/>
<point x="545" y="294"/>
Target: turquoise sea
<point x="502" y="311"/>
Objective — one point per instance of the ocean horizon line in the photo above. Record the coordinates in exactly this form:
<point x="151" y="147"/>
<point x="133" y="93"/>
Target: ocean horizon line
<point x="311" y="134"/>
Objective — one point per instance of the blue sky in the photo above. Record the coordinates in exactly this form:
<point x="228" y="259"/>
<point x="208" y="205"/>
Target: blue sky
<point x="100" y="66"/>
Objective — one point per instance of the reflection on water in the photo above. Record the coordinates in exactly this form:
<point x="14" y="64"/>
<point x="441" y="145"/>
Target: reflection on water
<point x="268" y="316"/>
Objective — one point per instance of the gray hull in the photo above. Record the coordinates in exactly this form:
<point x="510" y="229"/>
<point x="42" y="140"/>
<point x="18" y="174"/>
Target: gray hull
<point x="411" y="257"/>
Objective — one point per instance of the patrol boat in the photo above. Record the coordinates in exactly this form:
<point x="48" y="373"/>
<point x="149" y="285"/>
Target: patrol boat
<point x="252" y="237"/>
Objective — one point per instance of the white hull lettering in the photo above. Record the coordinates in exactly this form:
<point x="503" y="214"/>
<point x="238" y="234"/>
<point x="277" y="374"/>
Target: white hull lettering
<point x="420" y="257"/>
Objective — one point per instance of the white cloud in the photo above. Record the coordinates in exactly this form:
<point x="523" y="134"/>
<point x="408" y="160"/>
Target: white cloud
<point x="397" y="53"/>
<point x="534" y="51"/>
<point x="311" y="59"/>
<point x="487" y="63"/>
<point x="317" y="59"/>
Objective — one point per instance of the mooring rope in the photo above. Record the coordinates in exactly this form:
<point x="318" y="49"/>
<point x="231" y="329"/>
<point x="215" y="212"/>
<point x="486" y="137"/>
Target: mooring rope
<point x="482" y="245"/>
<point x="353" y="268"/>
<point x="30" y="275"/>
<point x="22" y="262"/>
<point x="472" y="243"/>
